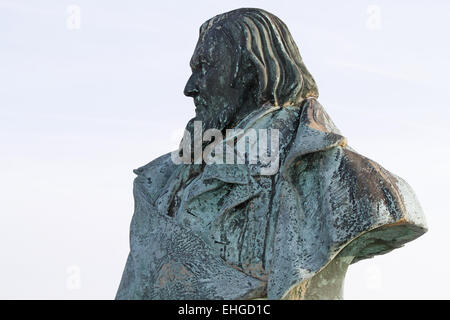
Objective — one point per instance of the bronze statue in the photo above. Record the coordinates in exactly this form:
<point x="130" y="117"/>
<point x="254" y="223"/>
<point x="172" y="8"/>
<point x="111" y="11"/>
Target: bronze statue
<point x="234" y="225"/>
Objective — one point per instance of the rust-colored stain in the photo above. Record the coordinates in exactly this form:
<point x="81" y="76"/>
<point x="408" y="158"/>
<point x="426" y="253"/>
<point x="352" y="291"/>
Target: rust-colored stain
<point x="172" y="272"/>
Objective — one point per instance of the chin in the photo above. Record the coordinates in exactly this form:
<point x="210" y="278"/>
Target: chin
<point x="220" y="120"/>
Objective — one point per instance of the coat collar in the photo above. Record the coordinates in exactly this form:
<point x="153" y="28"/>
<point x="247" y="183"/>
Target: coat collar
<point x="315" y="132"/>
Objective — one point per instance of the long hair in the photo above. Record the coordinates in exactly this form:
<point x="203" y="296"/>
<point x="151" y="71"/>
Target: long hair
<point x="264" y="40"/>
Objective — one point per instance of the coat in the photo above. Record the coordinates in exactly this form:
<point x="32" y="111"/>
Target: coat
<point x="228" y="232"/>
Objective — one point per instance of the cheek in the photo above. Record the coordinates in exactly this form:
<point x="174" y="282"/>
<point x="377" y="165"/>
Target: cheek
<point x="215" y="76"/>
<point x="222" y="81"/>
<point x="219" y="83"/>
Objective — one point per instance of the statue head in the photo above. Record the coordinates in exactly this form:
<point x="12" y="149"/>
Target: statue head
<point x="244" y="59"/>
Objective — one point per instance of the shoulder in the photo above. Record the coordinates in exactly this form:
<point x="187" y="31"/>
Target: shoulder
<point x="358" y="195"/>
<point x="371" y="179"/>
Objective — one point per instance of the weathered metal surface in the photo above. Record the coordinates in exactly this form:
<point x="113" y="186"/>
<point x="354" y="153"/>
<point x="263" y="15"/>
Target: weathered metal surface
<point x="226" y="231"/>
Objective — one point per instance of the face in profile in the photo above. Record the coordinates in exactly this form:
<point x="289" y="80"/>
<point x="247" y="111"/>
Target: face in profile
<point x="210" y="85"/>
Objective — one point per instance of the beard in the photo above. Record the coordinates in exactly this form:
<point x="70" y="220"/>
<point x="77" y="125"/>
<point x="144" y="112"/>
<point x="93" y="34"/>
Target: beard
<point x="220" y="120"/>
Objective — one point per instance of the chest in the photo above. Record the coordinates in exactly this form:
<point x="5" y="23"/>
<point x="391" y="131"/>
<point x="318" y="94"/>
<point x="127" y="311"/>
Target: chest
<point x="234" y="219"/>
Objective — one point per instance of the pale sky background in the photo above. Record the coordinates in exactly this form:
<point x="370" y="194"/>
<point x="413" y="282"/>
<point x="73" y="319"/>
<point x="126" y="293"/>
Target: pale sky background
<point x="81" y="107"/>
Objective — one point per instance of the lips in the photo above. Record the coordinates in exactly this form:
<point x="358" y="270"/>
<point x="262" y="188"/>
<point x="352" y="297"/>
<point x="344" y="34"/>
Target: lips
<point x="199" y="105"/>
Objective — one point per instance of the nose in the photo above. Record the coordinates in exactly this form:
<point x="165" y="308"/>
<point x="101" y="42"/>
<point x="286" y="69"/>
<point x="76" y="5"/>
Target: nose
<point x="191" y="89"/>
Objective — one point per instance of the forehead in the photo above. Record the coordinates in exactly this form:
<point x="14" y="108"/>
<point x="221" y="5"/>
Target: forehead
<point x="212" y="45"/>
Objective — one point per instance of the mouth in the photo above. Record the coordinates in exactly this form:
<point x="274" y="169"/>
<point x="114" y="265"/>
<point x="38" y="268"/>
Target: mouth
<point x="199" y="106"/>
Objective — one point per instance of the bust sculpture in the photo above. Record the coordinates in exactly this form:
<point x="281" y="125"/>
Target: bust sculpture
<point x="277" y="209"/>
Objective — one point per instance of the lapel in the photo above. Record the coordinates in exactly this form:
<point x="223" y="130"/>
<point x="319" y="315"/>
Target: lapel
<point x="243" y="185"/>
